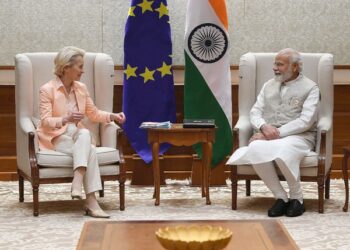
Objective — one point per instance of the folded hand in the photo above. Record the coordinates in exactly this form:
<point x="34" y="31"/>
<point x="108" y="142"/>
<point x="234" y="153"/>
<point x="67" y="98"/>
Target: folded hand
<point x="270" y="132"/>
<point x="118" y="117"/>
<point x="257" y="136"/>
<point x="73" y="117"/>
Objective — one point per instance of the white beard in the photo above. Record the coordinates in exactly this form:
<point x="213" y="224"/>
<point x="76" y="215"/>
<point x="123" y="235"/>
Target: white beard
<point x="283" y="77"/>
<point x="278" y="78"/>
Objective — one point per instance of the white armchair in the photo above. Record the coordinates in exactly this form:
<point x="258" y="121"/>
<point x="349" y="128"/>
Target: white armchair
<point x="48" y="166"/>
<point x="254" y="70"/>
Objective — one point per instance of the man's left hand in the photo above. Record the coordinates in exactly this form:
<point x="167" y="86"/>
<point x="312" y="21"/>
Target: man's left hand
<point x="257" y="136"/>
<point x="270" y="132"/>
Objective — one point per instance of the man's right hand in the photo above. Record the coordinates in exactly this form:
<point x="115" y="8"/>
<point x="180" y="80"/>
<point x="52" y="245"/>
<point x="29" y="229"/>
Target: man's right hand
<point x="270" y="132"/>
<point x="73" y="117"/>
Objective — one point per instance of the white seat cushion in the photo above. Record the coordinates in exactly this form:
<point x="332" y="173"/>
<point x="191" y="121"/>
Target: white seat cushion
<point x="51" y="158"/>
<point x="60" y="172"/>
<point x="309" y="161"/>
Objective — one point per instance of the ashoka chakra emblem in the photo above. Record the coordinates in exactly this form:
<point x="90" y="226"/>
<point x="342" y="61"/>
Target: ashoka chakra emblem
<point x="207" y="43"/>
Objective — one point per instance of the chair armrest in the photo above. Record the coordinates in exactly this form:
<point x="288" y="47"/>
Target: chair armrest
<point x="108" y="133"/>
<point x="32" y="158"/>
<point x="112" y="136"/>
<point x="324" y="124"/>
<point x="121" y="140"/>
<point x="28" y="129"/>
<point x="27" y="146"/>
<point x="26" y="125"/>
<point x="324" y="145"/>
<point x="243" y="129"/>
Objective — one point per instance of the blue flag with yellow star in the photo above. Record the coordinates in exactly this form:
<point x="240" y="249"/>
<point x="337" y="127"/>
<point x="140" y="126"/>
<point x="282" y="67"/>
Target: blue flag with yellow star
<point x="148" y="91"/>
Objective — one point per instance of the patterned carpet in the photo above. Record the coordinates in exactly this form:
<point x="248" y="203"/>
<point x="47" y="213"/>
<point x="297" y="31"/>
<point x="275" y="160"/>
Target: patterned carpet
<point x="61" y="220"/>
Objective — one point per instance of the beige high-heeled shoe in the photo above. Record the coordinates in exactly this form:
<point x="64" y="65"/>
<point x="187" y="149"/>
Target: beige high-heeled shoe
<point x="96" y="213"/>
<point x="76" y="194"/>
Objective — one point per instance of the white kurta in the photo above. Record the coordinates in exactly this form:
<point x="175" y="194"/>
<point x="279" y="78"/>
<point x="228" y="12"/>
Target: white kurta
<point x="291" y="148"/>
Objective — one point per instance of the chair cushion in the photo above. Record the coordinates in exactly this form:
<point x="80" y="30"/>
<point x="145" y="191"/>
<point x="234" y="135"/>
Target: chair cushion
<point x="309" y="161"/>
<point x="51" y="158"/>
<point x="248" y="170"/>
<point x="61" y="172"/>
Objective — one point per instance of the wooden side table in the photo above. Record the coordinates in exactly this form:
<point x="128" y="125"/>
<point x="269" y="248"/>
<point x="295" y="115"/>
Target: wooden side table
<point x="345" y="176"/>
<point x="179" y="136"/>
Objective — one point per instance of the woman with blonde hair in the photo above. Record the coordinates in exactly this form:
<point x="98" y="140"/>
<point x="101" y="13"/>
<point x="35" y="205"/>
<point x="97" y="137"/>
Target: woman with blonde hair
<point x="64" y="102"/>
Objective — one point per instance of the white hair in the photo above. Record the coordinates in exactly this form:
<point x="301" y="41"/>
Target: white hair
<point x="294" y="57"/>
<point x="66" y="57"/>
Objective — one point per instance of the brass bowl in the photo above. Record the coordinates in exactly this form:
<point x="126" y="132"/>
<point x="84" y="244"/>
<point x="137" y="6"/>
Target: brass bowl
<point x="194" y="237"/>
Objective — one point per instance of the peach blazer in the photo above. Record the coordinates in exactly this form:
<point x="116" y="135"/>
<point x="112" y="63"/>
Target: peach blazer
<point x="53" y="107"/>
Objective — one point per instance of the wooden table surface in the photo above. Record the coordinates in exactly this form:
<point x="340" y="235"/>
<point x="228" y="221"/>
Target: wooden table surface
<point x="140" y="235"/>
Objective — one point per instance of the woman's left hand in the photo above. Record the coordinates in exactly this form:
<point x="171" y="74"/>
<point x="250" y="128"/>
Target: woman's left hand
<point x="118" y="117"/>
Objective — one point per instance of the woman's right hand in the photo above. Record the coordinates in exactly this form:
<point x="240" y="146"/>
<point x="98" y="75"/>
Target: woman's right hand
<point x="118" y="117"/>
<point x="73" y="117"/>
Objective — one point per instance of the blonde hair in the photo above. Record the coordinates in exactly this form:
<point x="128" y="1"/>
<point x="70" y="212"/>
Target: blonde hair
<point x="66" y="57"/>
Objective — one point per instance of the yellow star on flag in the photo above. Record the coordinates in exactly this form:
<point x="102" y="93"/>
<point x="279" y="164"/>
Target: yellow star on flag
<point x="131" y="11"/>
<point x="163" y="10"/>
<point x="165" y="69"/>
<point x="147" y="75"/>
<point x="130" y="71"/>
<point x="145" y="5"/>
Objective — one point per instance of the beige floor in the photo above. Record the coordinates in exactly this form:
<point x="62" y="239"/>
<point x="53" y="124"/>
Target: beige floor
<point x="61" y="219"/>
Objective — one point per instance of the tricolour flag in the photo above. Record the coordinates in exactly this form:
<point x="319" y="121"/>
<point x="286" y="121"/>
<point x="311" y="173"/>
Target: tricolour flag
<point x="207" y="71"/>
<point x="148" y="87"/>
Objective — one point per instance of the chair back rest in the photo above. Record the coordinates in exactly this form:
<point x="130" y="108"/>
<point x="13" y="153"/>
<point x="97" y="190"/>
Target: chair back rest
<point x="256" y="68"/>
<point x="35" y="69"/>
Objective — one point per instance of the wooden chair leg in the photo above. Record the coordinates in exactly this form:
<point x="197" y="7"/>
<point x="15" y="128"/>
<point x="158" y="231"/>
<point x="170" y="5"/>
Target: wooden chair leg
<point x="247" y="187"/>
<point x="234" y="183"/>
<point x="122" y="195"/>
<point x="35" y="200"/>
<point x="320" y="183"/>
<point x="203" y="179"/>
<point x="328" y="183"/>
<point x="102" y="192"/>
<point x="21" y="188"/>
<point x="346" y="181"/>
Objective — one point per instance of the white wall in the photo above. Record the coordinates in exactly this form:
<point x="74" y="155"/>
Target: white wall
<point x="98" y="25"/>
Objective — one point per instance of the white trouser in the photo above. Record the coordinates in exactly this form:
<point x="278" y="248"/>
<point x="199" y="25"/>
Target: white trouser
<point x="77" y="143"/>
<point x="267" y="172"/>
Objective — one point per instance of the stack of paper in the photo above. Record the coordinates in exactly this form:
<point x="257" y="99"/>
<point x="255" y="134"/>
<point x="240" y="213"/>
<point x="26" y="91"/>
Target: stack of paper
<point x="156" y="124"/>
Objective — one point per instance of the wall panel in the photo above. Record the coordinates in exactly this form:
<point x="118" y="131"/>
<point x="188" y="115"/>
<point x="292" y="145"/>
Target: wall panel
<point x="98" y="25"/>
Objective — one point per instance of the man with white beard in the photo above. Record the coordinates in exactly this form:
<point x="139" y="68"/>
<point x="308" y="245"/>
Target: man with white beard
<point x="284" y="120"/>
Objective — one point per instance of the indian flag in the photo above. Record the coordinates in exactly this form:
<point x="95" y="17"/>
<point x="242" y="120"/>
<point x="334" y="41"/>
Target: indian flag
<point x="207" y="71"/>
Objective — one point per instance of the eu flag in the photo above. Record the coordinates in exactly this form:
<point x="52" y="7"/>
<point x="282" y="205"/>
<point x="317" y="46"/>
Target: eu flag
<point x="148" y="91"/>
